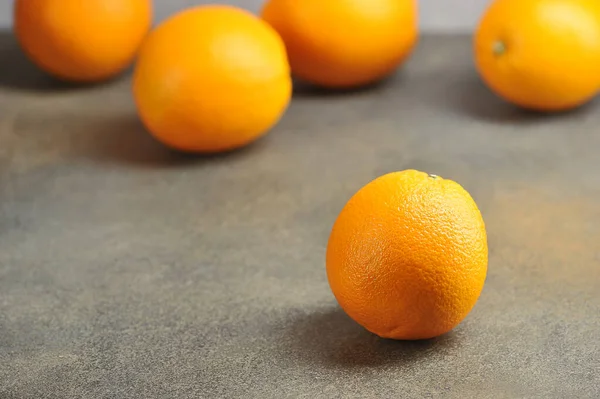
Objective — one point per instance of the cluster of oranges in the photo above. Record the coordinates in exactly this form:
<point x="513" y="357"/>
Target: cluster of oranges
<point x="214" y="78"/>
<point x="407" y="256"/>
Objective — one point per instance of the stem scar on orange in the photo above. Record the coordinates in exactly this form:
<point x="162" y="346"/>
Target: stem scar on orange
<point x="542" y="55"/>
<point x="407" y="256"/>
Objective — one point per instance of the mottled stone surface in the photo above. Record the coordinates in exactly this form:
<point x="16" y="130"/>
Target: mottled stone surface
<point x="127" y="271"/>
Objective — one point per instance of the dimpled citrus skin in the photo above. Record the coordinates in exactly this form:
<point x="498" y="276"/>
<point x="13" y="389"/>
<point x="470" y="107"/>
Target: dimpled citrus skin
<point x="211" y="78"/>
<point x="542" y="55"/>
<point x="407" y="256"/>
<point x="344" y="43"/>
<point x="82" y="41"/>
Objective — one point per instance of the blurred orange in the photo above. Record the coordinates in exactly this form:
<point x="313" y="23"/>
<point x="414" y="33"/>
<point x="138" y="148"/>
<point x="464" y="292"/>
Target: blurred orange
<point x="82" y="40"/>
<point x="541" y="54"/>
<point x="212" y="78"/>
<point x="344" y="43"/>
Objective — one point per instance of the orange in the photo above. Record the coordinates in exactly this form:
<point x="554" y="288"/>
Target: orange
<point x="82" y="41"/>
<point x="407" y="256"/>
<point x="541" y="55"/>
<point x="212" y="78"/>
<point x="344" y="43"/>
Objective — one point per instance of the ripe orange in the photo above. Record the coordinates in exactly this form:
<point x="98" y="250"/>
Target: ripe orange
<point x="344" y="43"/>
<point x="407" y="256"/>
<point x="82" y="41"/>
<point x="541" y="54"/>
<point x="211" y="78"/>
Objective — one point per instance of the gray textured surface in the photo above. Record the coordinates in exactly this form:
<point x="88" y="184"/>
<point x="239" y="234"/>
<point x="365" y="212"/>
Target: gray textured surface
<point x="129" y="272"/>
<point x="436" y="15"/>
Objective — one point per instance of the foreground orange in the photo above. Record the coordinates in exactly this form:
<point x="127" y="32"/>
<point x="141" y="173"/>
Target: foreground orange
<point x="344" y="43"/>
<point x="211" y="78"/>
<point x="407" y="256"/>
<point x="541" y="54"/>
<point x="82" y="40"/>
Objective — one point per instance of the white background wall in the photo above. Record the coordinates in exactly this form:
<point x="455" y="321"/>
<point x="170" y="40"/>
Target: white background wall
<point x="436" y="15"/>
